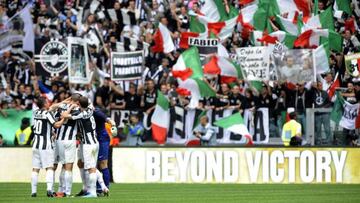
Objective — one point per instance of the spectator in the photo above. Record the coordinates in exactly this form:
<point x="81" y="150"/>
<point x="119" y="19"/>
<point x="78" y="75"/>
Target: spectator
<point x="291" y="133"/>
<point x="351" y="43"/>
<point x="132" y="99"/>
<point x="134" y="131"/>
<point x="205" y="132"/>
<point x="23" y="136"/>
<point x="102" y="94"/>
<point x="321" y="100"/>
<point x="149" y="98"/>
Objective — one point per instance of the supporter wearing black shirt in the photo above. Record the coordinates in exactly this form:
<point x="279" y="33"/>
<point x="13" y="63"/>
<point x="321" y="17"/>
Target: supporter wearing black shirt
<point x="300" y="99"/>
<point x="321" y="100"/>
<point x="281" y="102"/>
<point x="357" y="91"/>
<point x="251" y="101"/>
<point x="132" y="99"/>
<point x="23" y="73"/>
<point x="209" y="103"/>
<point x="102" y="94"/>
<point x="236" y="100"/>
<point x="118" y="101"/>
<point x="265" y="98"/>
<point x="350" y="94"/>
<point x="184" y="18"/>
<point x="150" y="96"/>
<point x="222" y="100"/>
<point x="28" y="98"/>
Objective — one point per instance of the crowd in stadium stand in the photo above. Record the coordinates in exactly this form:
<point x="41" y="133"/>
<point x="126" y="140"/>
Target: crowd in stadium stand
<point x="19" y="85"/>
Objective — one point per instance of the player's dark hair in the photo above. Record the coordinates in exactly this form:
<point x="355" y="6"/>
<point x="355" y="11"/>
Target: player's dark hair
<point x="41" y="102"/>
<point x="84" y="102"/>
<point x="75" y="97"/>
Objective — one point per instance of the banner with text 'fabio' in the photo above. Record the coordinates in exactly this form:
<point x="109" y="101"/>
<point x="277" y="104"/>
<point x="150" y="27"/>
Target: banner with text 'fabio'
<point x="126" y="65"/>
<point x="205" y="46"/>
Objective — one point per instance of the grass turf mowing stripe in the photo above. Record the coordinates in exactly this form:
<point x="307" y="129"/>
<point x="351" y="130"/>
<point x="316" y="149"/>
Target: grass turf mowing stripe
<point x="20" y="192"/>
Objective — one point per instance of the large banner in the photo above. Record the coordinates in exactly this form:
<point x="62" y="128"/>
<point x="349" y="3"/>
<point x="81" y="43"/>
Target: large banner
<point x="11" y="123"/>
<point x="182" y="123"/>
<point x="294" y="65"/>
<point x="127" y="65"/>
<point x="205" y="46"/>
<point x="78" y="61"/>
<point x="236" y="165"/>
<point x="352" y="63"/>
<point x="211" y="165"/>
<point x="255" y="62"/>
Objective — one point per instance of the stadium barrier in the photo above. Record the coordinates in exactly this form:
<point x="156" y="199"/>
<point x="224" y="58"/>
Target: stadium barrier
<point x="210" y="165"/>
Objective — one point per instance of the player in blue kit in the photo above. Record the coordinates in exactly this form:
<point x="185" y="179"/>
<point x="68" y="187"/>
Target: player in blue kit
<point x="104" y="144"/>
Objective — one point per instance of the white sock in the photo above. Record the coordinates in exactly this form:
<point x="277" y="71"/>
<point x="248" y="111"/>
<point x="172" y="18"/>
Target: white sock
<point x="87" y="180"/>
<point x="92" y="183"/>
<point x="49" y="180"/>
<point x="52" y="189"/>
<point x="68" y="182"/>
<point x="100" y="179"/>
<point x="34" y="181"/>
<point x="62" y="181"/>
<point x="83" y="178"/>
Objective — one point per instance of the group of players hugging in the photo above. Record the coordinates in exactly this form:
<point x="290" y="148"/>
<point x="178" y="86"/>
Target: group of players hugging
<point x="63" y="130"/>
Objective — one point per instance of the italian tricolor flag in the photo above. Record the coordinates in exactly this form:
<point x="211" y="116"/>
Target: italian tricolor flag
<point x="205" y="27"/>
<point x="253" y="17"/>
<point x="229" y="71"/>
<point x="324" y="20"/>
<point x="316" y="37"/>
<point x="290" y="25"/>
<point x="275" y="37"/>
<point x="190" y="76"/>
<point x="160" y="119"/>
<point x="336" y="84"/>
<point x="214" y="20"/>
<point x="163" y="40"/>
<point x="286" y="6"/>
<point x="235" y="124"/>
<point x="341" y="6"/>
<point x="321" y="58"/>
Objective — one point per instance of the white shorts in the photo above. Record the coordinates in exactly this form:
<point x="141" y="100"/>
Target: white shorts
<point x="43" y="158"/>
<point x="67" y="151"/>
<point x="88" y="154"/>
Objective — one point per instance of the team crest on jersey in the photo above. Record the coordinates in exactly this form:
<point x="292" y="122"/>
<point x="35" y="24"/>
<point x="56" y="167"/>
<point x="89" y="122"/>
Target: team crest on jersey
<point x="53" y="57"/>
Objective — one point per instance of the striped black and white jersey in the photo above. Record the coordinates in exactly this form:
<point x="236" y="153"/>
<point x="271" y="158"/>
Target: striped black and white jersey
<point x="69" y="129"/>
<point x="43" y="124"/>
<point x="87" y="126"/>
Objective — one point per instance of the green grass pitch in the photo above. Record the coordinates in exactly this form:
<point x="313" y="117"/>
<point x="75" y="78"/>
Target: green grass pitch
<point x="20" y="192"/>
